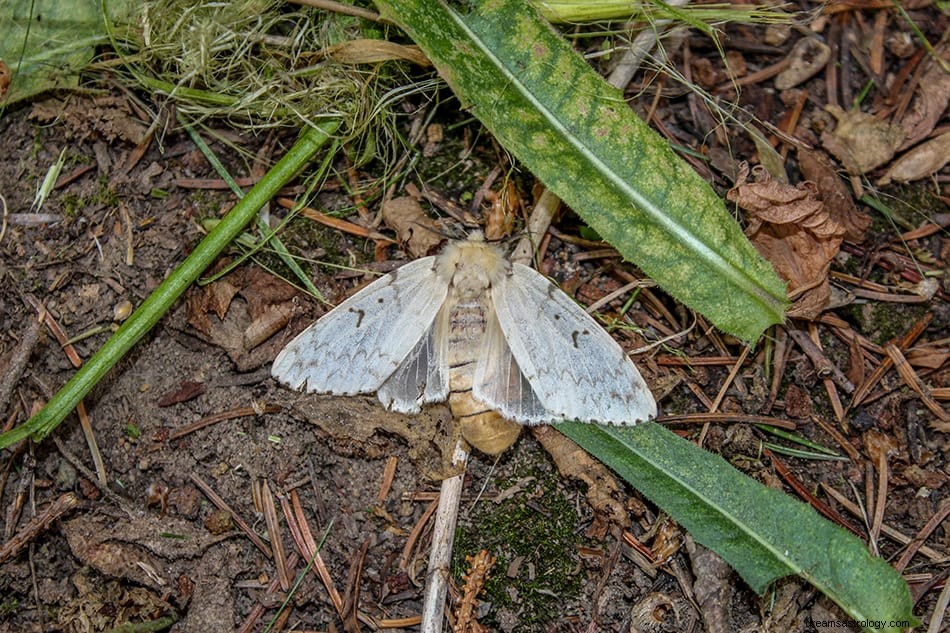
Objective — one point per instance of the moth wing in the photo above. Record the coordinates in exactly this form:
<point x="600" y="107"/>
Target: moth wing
<point x="358" y="345"/>
<point x="424" y="374"/>
<point x="576" y="369"/>
<point x="500" y="383"/>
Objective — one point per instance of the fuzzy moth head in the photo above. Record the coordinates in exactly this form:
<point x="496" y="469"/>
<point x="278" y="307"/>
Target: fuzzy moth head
<point x="471" y="266"/>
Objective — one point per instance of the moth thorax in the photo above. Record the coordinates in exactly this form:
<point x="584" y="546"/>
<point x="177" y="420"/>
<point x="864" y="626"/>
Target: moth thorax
<point x="483" y="428"/>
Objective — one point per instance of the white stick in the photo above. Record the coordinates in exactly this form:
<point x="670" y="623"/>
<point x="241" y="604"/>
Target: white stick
<point x="443" y="536"/>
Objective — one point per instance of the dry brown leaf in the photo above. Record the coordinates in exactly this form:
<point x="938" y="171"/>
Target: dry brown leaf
<point x="791" y="228"/>
<point x="500" y="218"/>
<point x="860" y="141"/>
<point x="808" y="57"/>
<point x="420" y="233"/>
<point x="879" y="445"/>
<point x="930" y="102"/>
<point x="835" y="194"/>
<point x="370" y="51"/>
<point x="920" y="162"/>
<point x="604" y="494"/>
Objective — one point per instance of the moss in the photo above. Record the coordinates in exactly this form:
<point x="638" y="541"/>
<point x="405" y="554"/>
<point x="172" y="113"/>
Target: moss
<point x="881" y="322"/>
<point x="541" y="536"/>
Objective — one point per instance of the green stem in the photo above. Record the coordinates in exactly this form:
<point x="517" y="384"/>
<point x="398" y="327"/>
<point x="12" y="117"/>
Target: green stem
<point x="159" y="302"/>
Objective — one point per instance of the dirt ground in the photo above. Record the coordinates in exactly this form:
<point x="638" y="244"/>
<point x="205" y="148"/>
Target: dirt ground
<point x="193" y="408"/>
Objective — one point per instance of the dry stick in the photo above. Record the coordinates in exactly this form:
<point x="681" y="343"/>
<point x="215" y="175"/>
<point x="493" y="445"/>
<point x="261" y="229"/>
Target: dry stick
<point x="940" y="610"/>
<point x="231" y="414"/>
<point x="883" y="474"/>
<point x="19" y="359"/>
<point x="416" y="533"/>
<point x="221" y="504"/>
<point x="258" y="610"/>
<point x="107" y="492"/>
<point x="886" y="530"/>
<point x="312" y="552"/>
<point x="806" y="494"/>
<point x="443" y="536"/>
<point x="828" y="382"/>
<point x="722" y="393"/>
<point x="902" y="342"/>
<point x="76" y="361"/>
<point x="389" y="473"/>
<point x="911" y="379"/>
<point x="742" y="418"/>
<point x="273" y="531"/>
<point x="38" y="524"/>
<point x="922" y="535"/>
<point x="823" y="366"/>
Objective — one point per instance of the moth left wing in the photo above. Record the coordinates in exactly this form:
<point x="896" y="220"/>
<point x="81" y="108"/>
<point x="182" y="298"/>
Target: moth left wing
<point x="361" y="343"/>
<point x="424" y="375"/>
<point x="575" y="368"/>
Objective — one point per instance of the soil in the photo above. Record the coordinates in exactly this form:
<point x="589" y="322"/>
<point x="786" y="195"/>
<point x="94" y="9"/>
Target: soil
<point x="147" y="542"/>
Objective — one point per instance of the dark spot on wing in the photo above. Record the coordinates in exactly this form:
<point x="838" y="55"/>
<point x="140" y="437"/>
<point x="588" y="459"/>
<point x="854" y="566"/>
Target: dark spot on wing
<point x="576" y="334"/>
<point x="359" y="315"/>
<point x="557" y="317"/>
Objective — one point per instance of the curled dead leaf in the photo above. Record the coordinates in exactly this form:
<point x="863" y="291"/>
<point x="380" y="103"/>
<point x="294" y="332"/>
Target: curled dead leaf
<point x="420" y="233"/>
<point x="930" y="99"/>
<point x="790" y="226"/>
<point x="835" y="195"/>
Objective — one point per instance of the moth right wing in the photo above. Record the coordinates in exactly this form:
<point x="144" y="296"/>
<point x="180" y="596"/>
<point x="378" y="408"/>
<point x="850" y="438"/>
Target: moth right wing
<point x="577" y="371"/>
<point x="365" y="340"/>
<point x="500" y="383"/>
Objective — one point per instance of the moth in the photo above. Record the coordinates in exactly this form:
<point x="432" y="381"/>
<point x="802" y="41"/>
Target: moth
<point x="493" y="337"/>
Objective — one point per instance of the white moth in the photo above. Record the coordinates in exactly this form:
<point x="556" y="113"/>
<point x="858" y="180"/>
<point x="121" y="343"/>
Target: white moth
<point x="464" y="321"/>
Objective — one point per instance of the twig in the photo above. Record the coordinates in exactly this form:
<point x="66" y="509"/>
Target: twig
<point x="231" y="414"/>
<point x="258" y="610"/>
<point x="273" y="532"/>
<point x="823" y="366"/>
<point x="911" y="379"/>
<point x="880" y="500"/>
<point x="915" y="544"/>
<point x="886" y="530"/>
<point x="805" y="494"/>
<point x="705" y="418"/>
<point x="221" y="504"/>
<point x="311" y="551"/>
<point x="940" y="610"/>
<point x="19" y="358"/>
<point x="416" y="533"/>
<point x="38" y="524"/>
<point x="88" y="474"/>
<point x="443" y="536"/>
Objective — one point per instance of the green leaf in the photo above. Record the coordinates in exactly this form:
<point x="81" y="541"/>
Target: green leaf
<point x="577" y="134"/>
<point x="762" y="533"/>
<point x="47" y="43"/>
